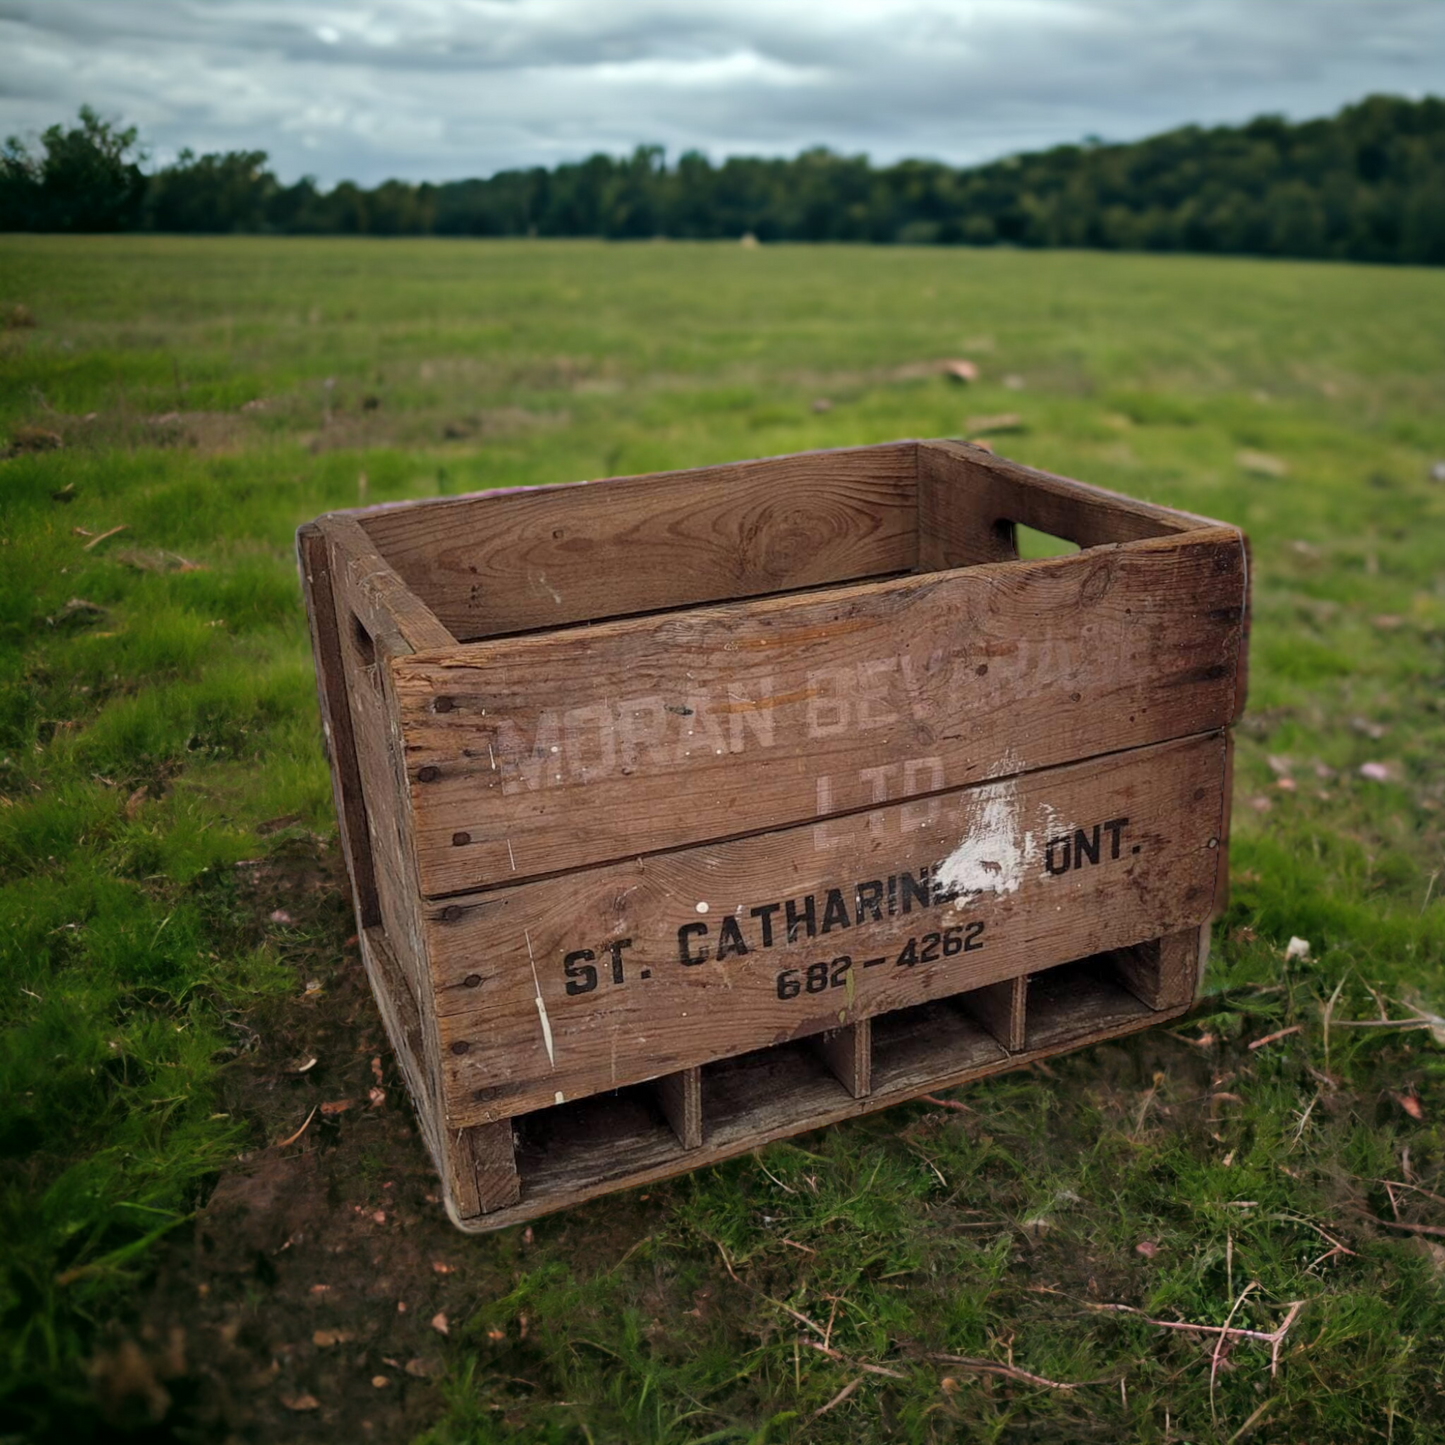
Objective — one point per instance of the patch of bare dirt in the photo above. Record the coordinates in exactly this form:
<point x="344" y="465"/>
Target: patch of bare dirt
<point x="302" y="1303"/>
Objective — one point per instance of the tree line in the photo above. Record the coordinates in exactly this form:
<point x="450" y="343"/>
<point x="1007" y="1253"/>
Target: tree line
<point x="1367" y="184"/>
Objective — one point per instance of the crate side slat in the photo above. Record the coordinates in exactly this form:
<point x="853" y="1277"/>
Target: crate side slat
<point x="367" y="659"/>
<point x="549" y="556"/>
<point x="528" y="987"/>
<point x="536" y="755"/>
<point x="314" y="557"/>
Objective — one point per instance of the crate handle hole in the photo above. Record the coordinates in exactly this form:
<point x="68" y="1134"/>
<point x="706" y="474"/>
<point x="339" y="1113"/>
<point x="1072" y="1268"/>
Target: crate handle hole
<point x="1030" y="543"/>
<point x="365" y="647"/>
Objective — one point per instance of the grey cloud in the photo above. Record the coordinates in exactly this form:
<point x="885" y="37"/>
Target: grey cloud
<point x="441" y="88"/>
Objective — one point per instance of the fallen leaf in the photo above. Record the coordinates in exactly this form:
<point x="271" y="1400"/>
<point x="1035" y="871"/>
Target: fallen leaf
<point x="1296" y="948"/>
<point x="376" y="1069"/>
<point x="33" y="439"/>
<point x="304" y="1065"/>
<point x="1411" y="1104"/>
<point x="439" y="1267"/>
<point x="134" y="802"/>
<point x="379" y="1217"/>
<point x="420" y="1369"/>
<point x="1262" y="464"/>
<point x="77" y="612"/>
<point x="157" y="561"/>
<point x="380" y="1381"/>
<point x="961" y="370"/>
<point x="1281" y="767"/>
<point x="280" y="915"/>
<point x="1147" y="1248"/>
<point x="337" y="1106"/>
<point x="1366" y="728"/>
<point x="377" y="1097"/>
<point x="324" y="1339"/>
<point x="301" y="1402"/>
<point x="1004" y="421"/>
<point x="1380" y="772"/>
<point x="439" y="1323"/>
<point x="1285" y="785"/>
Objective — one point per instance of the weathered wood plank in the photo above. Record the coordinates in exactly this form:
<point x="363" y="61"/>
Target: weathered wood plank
<point x="379" y="599"/>
<point x="482" y="1170"/>
<point x="1000" y="1008"/>
<point x="1164" y="973"/>
<point x="367" y="662"/>
<point x="565" y="987"/>
<point x="848" y="1053"/>
<point x="314" y="557"/>
<point x="504" y="562"/>
<point x="680" y="1096"/>
<point x="533" y="755"/>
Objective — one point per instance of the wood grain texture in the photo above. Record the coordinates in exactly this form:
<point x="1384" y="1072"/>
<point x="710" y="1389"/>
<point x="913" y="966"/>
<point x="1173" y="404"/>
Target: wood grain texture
<point x="1000" y="1008"/>
<point x="504" y="562"/>
<point x="379" y="598"/>
<point x="848" y="1053"/>
<point x="528" y="994"/>
<point x="1165" y="972"/>
<point x="680" y="1096"/>
<point x="367" y="662"/>
<point x="482" y="1176"/>
<point x="314" y="557"/>
<point x="534" y="755"/>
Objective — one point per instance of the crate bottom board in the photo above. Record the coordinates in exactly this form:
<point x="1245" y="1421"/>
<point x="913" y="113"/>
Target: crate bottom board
<point x="599" y="1145"/>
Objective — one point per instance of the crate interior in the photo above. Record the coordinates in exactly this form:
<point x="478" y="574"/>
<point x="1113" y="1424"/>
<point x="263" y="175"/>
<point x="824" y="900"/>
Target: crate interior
<point x="501" y="563"/>
<point x="1075" y="1000"/>
<point x="914" y="1046"/>
<point x="606" y="1136"/>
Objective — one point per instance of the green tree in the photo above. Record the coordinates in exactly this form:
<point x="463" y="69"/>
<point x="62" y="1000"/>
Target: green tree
<point x="87" y="179"/>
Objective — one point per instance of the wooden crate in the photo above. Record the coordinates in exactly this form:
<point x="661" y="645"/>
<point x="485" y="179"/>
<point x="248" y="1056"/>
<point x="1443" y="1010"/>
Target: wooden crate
<point x="689" y="811"/>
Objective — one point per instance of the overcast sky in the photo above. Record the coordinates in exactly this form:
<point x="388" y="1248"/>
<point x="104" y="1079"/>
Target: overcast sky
<point x="435" y="89"/>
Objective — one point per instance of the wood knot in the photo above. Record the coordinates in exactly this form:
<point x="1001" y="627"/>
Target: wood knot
<point x="1097" y="583"/>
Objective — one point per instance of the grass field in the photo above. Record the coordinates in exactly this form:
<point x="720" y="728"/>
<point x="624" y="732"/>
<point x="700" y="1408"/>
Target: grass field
<point x="174" y="944"/>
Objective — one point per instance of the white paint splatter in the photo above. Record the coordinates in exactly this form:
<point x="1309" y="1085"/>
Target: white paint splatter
<point x="996" y="851"/>
<point x="541" y="1004"/>
<point x="559" y="1097"/>
<point x="702" y="907"/>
